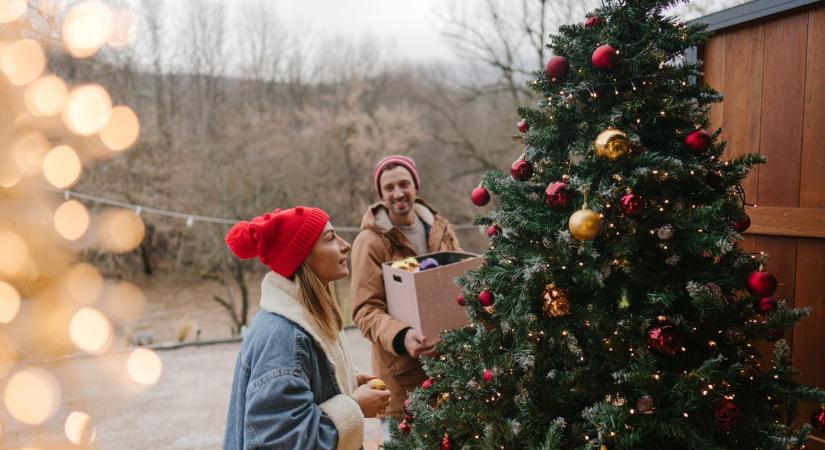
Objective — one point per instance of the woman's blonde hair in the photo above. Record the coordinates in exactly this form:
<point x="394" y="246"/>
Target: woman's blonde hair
<point x="320" y="301"/>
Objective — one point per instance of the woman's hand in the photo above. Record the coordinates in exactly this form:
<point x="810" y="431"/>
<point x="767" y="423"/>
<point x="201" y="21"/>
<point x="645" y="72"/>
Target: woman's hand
<point x="371" y="401"/>
<point x="362" y="378"/>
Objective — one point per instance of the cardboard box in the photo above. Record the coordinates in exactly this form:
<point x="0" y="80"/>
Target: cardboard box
<point x="426" y="299"/>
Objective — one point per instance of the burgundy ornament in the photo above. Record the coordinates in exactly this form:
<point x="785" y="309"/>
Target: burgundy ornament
<point x="632" y="205"/>
<point x="818" y="419"/>
<point x="556" y="195"/>
<point x="428" y="383"/>
<point x="408" y="418"/>
<point x="727" y="415"/>
<point x="460" y="300"/>
<point x="698" y="141"/>
<point x="605" y="57"/>
<point x="405" y="428"/>
<point x="761" y="284"/>
<point x="480" y="196"/>
<point x="765" y="305"/>
<point x="742" y="224"/>
<point x="487" y="376"/>
<point x="521" y="170"/>
<point x="493" y="230"/>
<point x="664" y="339"/>
<point x="523" y="126"/>
<point x="592" y="21"/>
<point x="486" y="298"/>
<point x="446" y="444"/>
<point x="407" y="406"/>
<point x="557" y="67"/>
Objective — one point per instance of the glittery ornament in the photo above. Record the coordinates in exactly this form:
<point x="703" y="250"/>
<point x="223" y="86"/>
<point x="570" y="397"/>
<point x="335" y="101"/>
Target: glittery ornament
<point x="645" y="404"/>
<point x="664" y="339"/>
<point x="446" y="443"/>
<point x="665" y="232"/>
<point x="727" y="415"/>
<point x="555" y="302"/>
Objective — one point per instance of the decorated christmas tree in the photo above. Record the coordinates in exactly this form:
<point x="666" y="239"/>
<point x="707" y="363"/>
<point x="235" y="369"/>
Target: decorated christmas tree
<point x="615" y="308"/>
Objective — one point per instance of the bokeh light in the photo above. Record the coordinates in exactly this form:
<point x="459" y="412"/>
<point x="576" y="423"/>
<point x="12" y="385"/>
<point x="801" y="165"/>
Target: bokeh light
<point x="91" y="331"/>
<point x="15" y="253"/>
<point x="123" y="129"/>
<point x="10" y="175"/>
<point x="83" y="283"/>
<point x="86" y="28"/>
<point x="125" y="301"/>
<point x="80" y="430"/>
<point x="62" y="166"/>
<point x="123" y="32"/>
<point x="71" y="219"/>
<point x="32" y="396"/>
<point x="28" y="151"/>
<point x="23" y="61"/>
<point x="88" y="109"/>
<point x="144" y="366"/>
<point x="11" y="10"/>
<point x="46" y="96"/>
<point x="121" y="230"/>
<point x="9" y="302"/>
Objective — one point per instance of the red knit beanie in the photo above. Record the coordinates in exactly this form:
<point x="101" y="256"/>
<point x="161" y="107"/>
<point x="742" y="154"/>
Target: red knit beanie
<point x="282" y="239"/>
<point x="402" y="161"/>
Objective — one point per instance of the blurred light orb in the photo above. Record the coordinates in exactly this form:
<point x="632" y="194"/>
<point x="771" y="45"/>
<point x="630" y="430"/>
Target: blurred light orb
<point x="62" y="166"/>
<point x="71" y="220"/>
<point x="46" y="96"/>
<point x="23" y="61"/>
<point x="9" y="302"/>
<point x="10" y="175"/>
<point x="144" y="366"/>
<point x="88" y="109"/>
<point x="80" y="430"/>
<point x="123" y="32"/>
<point x="122" y="130"/>
<point x="86" y="28"/>
<point x="28" y="151"/>
<point x="125" y="301"/>
<point x="121" y="231"/>
<point x="11" y="10"/>
<point x="32" y="396"/>
<point x="91" y="331"/>
<point x="83" y="283"/>
<point x="15" y="253"/>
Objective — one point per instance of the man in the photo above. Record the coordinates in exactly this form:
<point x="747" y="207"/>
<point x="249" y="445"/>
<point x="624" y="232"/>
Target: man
<point x="398" y="226"/>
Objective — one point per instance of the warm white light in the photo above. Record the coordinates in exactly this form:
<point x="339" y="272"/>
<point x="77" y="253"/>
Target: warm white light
<point x="71" y="219"/>
<point x="62" y="167"/>
<point x="125" y="301"/>
<point x="123" y="129"/>
<point x="90" y="331"/>
<point x="88" y="109"/>
<point x="80" y="430"/>
<point x="83" y="283"/>
<point x="11" y="10"/>
<point x="14" y="255"/>
<point x="28" y="151"/>
<point x="23" y="61"/>
<point x="144" y="366"/>
<point x="121" y="231"/>
<point x="32" y="396"/>
<point x="46" y="96"/>
<point x="86" y="28"/>
<point x="9" y="302"/>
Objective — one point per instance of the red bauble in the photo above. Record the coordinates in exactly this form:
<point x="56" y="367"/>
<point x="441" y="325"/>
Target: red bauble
<point x="485" y="298"/>
<point x="698" y="141"/>
<point x="446" y="444"/>
<point x="592" y="21"/>
<point x="408" y="418"/>
<point x="761" y="284"/>
<point x="765" y="305"/>
<point x="556" y="195"/>
<point x="664" y="339"/>
<point x="405" y="428"/>
<point x="605" y="57"/>
<point x="480" y="196"/>
<point x="487" y="376"/>
<point x="521" y="170"/>
<point x="522" y="126"/>
<point x="407" y="406"/>
<point x="632" y="205"/>
<point x="557" y="67"/>
<point x="727" y="415"/>
<point x="492" y="230"/>
<point x="742" y="224"/>
<point x="428" y="383"/>
<point x="461" y="300"/>
<point x="818" y="419"/>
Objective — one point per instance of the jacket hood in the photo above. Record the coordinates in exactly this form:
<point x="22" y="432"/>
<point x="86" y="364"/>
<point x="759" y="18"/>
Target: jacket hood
<point x="377" y="217"/>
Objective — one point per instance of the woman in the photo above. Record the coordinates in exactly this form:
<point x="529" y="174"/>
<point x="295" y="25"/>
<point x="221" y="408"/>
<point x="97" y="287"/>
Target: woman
<point x="294" y="385"/>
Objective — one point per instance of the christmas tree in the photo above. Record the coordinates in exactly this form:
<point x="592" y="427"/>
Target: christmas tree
<point x="614" y="308"/>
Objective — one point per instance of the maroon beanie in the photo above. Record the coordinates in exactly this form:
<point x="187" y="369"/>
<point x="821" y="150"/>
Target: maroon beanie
<point x="402" y="161"/>
<point x="282" y="239"/>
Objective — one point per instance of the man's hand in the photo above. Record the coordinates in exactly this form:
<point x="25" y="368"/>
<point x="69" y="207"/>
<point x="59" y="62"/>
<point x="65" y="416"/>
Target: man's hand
<point x="417" y="344"/>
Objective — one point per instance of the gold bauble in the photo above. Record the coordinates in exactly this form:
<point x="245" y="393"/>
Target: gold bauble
<point x="378" y="384"/>
<point x="555" y="301"/>
<point x="612" y="144"/>
<point x="444" y="397"/>
<point x="585" y="224"/>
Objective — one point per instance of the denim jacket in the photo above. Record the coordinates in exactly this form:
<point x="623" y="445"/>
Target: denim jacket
<point x="285" y="394"/>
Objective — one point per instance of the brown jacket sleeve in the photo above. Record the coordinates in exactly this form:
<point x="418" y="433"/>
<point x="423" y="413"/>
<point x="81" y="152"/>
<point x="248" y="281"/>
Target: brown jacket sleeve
<point x="369" y="303"/>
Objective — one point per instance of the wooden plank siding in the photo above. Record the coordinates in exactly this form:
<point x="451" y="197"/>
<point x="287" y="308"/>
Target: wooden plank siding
<point x="772" y="74"/>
